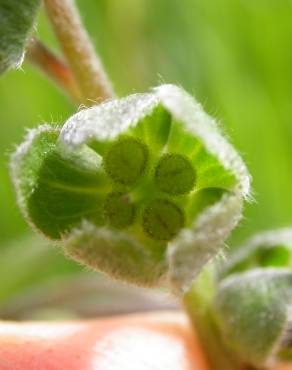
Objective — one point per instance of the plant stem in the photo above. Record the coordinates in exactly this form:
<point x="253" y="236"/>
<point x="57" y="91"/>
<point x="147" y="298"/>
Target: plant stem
<point x="39" y="55"/>
<point x="197" y="303"/>
<point x="79" y="51"/>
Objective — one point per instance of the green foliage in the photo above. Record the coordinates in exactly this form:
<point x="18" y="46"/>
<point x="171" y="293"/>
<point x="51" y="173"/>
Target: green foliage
<point x="131" y="164"/>
<point x="16" y="21"/>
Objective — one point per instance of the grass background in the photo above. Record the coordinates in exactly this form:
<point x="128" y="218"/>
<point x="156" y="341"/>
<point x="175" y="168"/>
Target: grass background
<point x="235" y="56"/>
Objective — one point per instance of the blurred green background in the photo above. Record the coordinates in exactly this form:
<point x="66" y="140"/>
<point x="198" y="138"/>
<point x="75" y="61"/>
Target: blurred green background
<point x="235" y="56"/>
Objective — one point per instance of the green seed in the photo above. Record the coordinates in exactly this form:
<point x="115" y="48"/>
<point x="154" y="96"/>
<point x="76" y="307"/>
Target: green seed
<point x="175" y="174"/>
<point x="126" y="161"/>
<point x="162" y="220"/>
<point x="119" y="211"/>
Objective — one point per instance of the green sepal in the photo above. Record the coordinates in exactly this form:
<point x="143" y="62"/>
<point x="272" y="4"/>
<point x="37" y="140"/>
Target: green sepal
<point x="116" y="254"/>
<point x="55" y="191"/>
<point x="252" y="310"/>
<point x="267" y="249"/>
<point x="16" y="21"/>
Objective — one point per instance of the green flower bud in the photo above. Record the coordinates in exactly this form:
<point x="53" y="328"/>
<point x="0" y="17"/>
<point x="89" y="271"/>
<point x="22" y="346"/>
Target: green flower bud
<point x="153" y="166"/>
<point x="267" y="249"/>
<point x="252" y="310"/>
<point x="254" y="299"/>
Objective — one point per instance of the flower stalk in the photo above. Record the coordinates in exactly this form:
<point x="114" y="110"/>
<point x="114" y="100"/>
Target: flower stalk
<point x="198" y="305"/>
<point x="53" y="67"/>
<point x="79" y="52"/>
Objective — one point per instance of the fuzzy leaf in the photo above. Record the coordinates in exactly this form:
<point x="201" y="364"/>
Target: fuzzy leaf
<point x="253" y="312"/>
<point x="16" y="22"/>
<point x="149" y="170"/>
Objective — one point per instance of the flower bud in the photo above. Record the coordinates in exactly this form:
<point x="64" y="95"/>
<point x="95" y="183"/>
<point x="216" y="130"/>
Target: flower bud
<point x="154" y="166"/>
<point x="253" y="299"/>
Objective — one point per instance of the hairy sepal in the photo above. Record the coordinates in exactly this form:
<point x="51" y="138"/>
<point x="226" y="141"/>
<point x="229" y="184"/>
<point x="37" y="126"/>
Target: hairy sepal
<point x="24" y="173"/>
<point x="116" y="254"/>
<point x="195" y="247"/>
<point x="252" y="309"/>
<point x="266" y="249"/>
<point x="16" y="22"/>
<point x="55" y="190"/>
<point x="166" y="120"/>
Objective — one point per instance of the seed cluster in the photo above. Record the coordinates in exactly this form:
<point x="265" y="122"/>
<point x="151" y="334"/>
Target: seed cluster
<point x="126" y="162"/>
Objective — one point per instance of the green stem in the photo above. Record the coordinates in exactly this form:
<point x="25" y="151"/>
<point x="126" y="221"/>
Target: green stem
<point x="79" y="51"/>
<point x="197" y="303"/>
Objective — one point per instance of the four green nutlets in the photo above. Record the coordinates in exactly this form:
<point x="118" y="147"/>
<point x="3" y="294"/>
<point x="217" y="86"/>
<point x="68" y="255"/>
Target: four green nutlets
<point x="149" y="188"/>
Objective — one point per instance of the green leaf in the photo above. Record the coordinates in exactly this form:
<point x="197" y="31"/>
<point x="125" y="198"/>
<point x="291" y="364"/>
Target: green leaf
<point x="253" y="312"/>
<point x="150" y="171"/>
<point x="16" y="21"/>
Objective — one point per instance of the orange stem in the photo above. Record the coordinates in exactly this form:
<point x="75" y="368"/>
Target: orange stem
<point x="52" y="66"/>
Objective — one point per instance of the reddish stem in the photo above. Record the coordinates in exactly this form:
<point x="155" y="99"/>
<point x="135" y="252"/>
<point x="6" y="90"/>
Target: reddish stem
<point x="52" y="66"/>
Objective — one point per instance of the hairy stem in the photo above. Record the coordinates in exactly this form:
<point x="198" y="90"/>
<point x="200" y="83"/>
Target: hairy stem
<point x="79" y="51"/>
<point x="53" y="67"/>
<point x="197" y="303"/>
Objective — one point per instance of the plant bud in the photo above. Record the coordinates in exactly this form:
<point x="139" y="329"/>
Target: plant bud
<point x="154" y="166"/>
<point x="254" y="299"/>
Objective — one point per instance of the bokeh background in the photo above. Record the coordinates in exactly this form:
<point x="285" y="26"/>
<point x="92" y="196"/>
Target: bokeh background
<point x="235" y="56"/>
